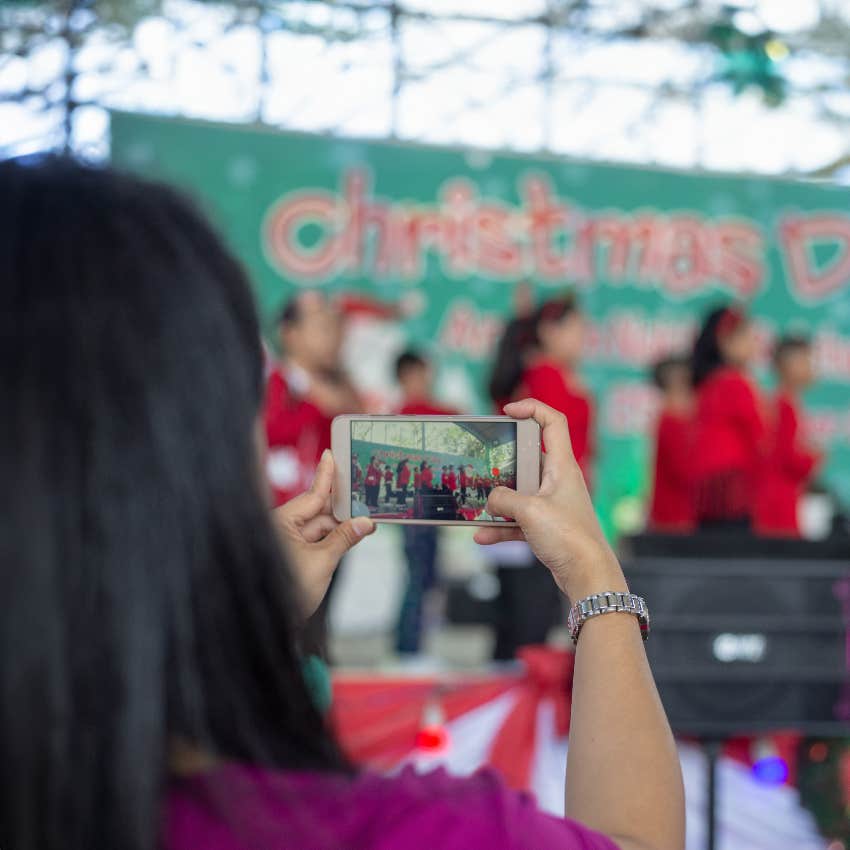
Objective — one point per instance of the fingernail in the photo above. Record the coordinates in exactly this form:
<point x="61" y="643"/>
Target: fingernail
<point x="325" y="455"/>
<point x="362" y="525"/>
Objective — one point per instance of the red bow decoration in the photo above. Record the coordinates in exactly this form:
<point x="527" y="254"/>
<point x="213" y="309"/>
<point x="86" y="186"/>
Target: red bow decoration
<point x="729" y="322"/>
<point x="549" y="677"/>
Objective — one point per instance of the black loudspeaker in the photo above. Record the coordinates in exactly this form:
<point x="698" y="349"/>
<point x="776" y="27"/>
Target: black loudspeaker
<point x="745" y="644"/>
<point x="439" y="506"/>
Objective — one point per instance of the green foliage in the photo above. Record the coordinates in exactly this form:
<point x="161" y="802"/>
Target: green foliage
<point x="439" y="437"/>
<point x="126" y="13"/>
<point x="451" y="439"/>
<point x="748" y="60"/>
<point x="503" y="456"/>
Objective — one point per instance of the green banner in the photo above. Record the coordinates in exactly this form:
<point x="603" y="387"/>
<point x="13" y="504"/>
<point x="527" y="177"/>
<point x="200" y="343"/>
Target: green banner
<point x="425" y="246"/>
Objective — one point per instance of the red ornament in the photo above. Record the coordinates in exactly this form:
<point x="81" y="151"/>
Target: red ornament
<point x="495" y="471"/>
<point x="432" y="738"/>
<point x="818" y="751"/>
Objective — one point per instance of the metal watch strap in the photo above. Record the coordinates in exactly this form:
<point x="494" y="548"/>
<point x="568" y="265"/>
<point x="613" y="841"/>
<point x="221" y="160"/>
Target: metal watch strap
<point x="609" y="602"/>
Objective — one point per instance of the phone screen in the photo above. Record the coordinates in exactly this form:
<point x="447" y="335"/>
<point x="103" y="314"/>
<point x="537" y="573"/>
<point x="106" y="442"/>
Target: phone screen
<point x="420" y="469"/>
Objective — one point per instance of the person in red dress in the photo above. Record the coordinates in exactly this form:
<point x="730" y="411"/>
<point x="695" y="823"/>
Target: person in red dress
<point x="444" y="478"/>
<point x="451" y="479"/>
<point x="415" y="379"/>
<point x="356" y="475"/>
<point x="791" y="460"/>
<point x="731" y="430"/>
<point x="402" y="481"/>
<point x="427" y="476"/>
<point x="526" y="608"/>
<point x="464" y="480"/>
<point x="304" y="393"/>
<point x="552" y="377"/>
<point x="372" y="482"/>
<point x="672" y="504"/>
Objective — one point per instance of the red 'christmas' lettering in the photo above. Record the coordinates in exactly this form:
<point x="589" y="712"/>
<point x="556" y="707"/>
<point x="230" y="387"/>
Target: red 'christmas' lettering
<point x="799" y="235"/>
<point x="283" y="224"/>
<point x="499" y="252"/>
<point x="545" y="236"/>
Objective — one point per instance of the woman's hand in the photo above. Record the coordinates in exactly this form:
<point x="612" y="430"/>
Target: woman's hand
<point x="558" y="521"/>
<point x="314" y="541"/>
<point x="637" y="801"/>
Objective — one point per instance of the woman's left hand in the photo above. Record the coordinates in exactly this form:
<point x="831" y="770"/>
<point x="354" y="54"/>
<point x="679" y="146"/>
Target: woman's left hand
<point x="313" y="539"/>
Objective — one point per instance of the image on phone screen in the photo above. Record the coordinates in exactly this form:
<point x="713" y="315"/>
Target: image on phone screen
<point x="442" y="471"/>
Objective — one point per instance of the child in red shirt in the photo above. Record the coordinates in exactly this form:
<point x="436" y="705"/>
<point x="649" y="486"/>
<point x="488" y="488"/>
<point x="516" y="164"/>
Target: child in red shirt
<point x="415" y="379"/>
<point x="388" y="483"/>
<point x="451" y="478"/>
<point x="672" y="505"/>
<point x="372" y="482"/>
<point x="464" y="483"/>
<point x="304" y="393"/>
<point x="402" y="482"/>
<point x="551" y="377"/>
<point x="731" y="430"/>
<point x="427" y="476"/>
<point x="791" y="460"/>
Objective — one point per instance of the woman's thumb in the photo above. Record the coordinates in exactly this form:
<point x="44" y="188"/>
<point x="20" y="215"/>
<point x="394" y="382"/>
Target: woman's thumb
<point x="504" y="502"/>
<point x="348" y="534"/>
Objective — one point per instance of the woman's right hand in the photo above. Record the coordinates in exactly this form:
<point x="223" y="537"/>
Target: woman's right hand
<point x="638" y="801"/>
<point x="558" y="521"/>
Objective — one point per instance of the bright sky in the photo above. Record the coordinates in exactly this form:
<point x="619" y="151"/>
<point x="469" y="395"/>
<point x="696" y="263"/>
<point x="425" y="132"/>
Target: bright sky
<point x="467" y="83"/>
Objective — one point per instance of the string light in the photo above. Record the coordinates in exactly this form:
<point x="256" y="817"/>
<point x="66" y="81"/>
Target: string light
<point x="771" y="770"/>
<point x="769" y="767"/>
<point x="432" y="739"/>
<point x="776" y="50"/>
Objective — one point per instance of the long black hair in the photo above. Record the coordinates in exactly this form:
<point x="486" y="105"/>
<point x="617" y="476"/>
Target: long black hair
<point x="146" y="599"/>
<point x="509" y="361"/>
<point x="707" y="356"/>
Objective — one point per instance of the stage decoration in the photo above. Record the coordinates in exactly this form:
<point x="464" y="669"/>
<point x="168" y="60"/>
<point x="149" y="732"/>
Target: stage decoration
<point x="750" y="60"/>
<point x="517" y="721"/>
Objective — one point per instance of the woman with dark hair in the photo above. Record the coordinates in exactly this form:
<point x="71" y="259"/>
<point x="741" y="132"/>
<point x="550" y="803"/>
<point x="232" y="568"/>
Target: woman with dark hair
<point x="730" y="430"/>
<point x="152" y="691"/>
<point x="552" y="376"/>
<point x="510" y="361"/>
<point x="372" y="482"/>
<point x="527" y="607"/>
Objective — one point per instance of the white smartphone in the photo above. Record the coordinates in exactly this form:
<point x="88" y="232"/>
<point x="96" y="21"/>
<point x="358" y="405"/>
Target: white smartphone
<point x="431" y="470"/>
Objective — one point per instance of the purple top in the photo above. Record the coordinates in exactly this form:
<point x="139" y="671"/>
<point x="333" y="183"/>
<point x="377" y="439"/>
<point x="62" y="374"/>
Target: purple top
<point x="239" y="808"/>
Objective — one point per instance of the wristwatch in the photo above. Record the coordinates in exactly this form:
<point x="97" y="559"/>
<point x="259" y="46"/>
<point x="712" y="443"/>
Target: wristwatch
<point x="609" y="602"/>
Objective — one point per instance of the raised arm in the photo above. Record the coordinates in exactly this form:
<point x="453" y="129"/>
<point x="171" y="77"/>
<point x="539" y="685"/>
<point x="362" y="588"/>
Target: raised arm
<point x="623" y="775"/>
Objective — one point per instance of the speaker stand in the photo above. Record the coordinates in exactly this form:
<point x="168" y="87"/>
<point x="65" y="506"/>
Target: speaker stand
<point x="712" y="747"/>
